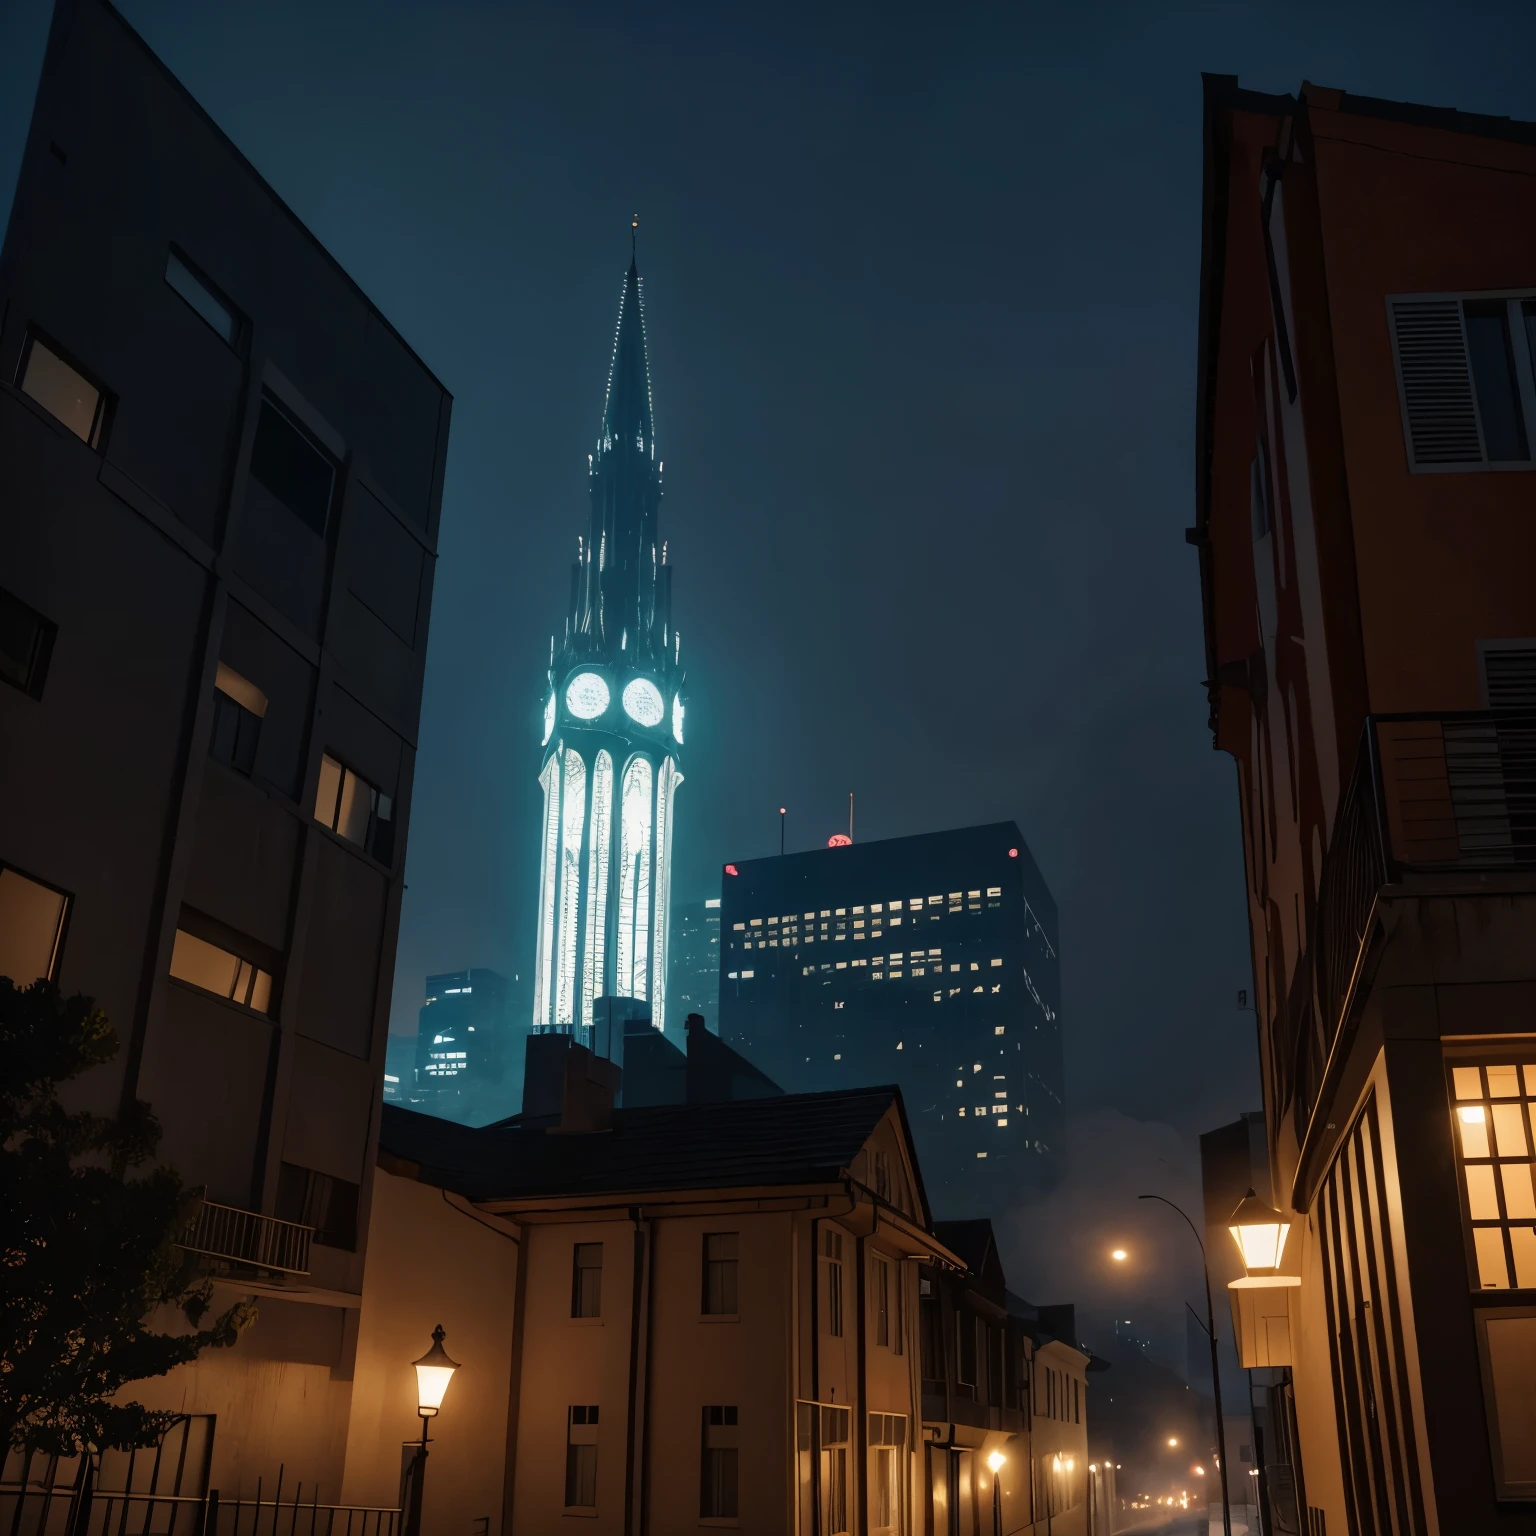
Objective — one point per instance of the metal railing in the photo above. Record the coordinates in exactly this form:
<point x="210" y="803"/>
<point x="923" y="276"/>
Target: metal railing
<point x="245" y="1237"/>
<point x="295" y="1517"/>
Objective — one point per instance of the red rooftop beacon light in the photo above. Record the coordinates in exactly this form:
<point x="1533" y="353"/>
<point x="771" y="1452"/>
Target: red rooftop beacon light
<point x="731" y="869"/>
<point x="1013" y="853"/>
<point x="839" y="840"/>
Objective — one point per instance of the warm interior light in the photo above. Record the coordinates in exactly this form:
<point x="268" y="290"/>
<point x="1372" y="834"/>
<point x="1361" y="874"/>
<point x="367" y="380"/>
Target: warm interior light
<point x="1471" y="1114"/>
<point x="1259" y="1231"/>
<point x="995" y="1461"/>
<point x="1119" y="1255"/>
<point x="1173" y="1440"/>
<point x="433" y="1373"/>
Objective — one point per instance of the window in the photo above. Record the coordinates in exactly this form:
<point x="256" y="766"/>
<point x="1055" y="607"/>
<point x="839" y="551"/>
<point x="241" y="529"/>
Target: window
<point x="833" y="1449"/>
<point x="354" y="809"/>
<point x="32" y="922"/>
<point x="720" y="1274"/>
<point x="717" y="1466"/>
<point x="1493" y="1124"/>
<point x="26" y="645"/>
<point x="930" y="1341"/>
<point x="199" y="294"/>
<point x="883" y="1175"/>
<point x="581" y="1457"/>
<point x="587" y="1280"/>
<point x="317" y="1200"/>
<point x="832" y="1268"/>
<point x="880" y="1284"/>
<point x="887" y="1454"/>
<point x="62" y="390"/>
<point x="965" y="1341"/>
<point x="202" y="964"/>
<point x="1464" y="367"/>
<point x="238" y="710"/>
<point x="293" y="466"/>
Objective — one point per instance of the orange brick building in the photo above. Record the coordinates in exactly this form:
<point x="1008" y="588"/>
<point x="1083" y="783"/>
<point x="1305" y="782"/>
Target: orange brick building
<point x="1366" y="527"/>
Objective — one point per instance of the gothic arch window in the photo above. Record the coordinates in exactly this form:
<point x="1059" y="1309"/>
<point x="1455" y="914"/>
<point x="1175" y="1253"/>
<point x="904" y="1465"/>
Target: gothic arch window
<point x="544" y="965"/>
<point x="635" y="876"/>
<point x="600" y="840"/>
<point x="667" y="781"/>
<point x="573" y="815"/>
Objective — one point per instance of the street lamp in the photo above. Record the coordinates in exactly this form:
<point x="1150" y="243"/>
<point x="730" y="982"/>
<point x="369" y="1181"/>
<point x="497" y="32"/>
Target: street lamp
<point x="433" y="1373"/>
<point x="995" y="1462"/>
<point x="1210" y="1330"/>
<point x="1119" y="1255"/>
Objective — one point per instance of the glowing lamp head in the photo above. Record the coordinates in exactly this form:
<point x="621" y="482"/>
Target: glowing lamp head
<point x="433" y="1373"/>
<point x="1173" y="1442"/>
<point x="1259" y="1231"/>
<point x="1119" y="1255"/>
<point x="839" y="840"/>
<point x="995" y="1462"/>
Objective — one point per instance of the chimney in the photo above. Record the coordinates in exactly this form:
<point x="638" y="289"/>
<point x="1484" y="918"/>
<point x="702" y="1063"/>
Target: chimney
<point x="566" y="1088"/>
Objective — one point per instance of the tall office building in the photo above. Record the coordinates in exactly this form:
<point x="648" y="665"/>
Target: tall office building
<point x="613" y="725"/>
<point x="220" y="477"/>
<point x="695" y="964"/>
<point x="927" y="961"/>
<point x="469" y="1046"/>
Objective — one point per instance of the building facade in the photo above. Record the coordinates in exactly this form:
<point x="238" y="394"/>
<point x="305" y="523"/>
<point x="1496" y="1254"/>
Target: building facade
<point x="695" y="961"/>
<point x="1366" y="416"/>
<point x="221" y="473"/>
<point x="613" y="725"/>
<point x="469" y="1046"/>
<point x="928" y="961"/>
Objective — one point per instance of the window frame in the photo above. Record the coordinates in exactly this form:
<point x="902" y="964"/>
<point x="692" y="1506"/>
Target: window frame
<point x="724" y="1265"/>
<point x="578" y="1295"/>
<point x="101" y="421"/>
<point x="1523" y="1059"/>
<point x="239" y="326"/>
<point x="43" y="641"/>
<point x="1525" y="376"/>
<point x="588" y="1424"/>
<point x="370" y="833"/>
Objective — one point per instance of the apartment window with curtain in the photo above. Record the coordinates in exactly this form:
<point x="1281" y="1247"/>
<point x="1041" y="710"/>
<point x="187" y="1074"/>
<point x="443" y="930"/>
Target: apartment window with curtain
<point x="33" y="917"/>
<point x="720" y="1274"/>
<point x="717" y="1465"/>
<point x="586" y="1280"/>
<point x="581" y="1456"/>
<point x="355" y="809"/>
<point x="880" y="1298"/>
<point x="887" y="1472"/>
<point x="832" y="1282"/>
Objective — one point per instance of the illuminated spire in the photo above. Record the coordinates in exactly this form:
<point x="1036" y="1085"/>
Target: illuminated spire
<point x="627" y="418"/>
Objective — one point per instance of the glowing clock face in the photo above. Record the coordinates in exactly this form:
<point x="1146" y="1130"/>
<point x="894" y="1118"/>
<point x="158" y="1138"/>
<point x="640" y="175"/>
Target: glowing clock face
<point x="642" y="701"/>
<point x="677" y="718"/>
<point x="586" y="696"/>
<point x="549" y="719"/>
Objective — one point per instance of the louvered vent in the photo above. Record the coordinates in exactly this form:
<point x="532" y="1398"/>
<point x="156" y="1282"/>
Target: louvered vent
<point x="1510" y="673"/>
<point x="1437" y="382"/>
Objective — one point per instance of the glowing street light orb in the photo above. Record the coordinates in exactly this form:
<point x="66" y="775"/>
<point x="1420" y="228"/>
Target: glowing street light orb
<point x="1173" y="1441"/>
<point x="995" y="1462"/>
<point x="1119" y="1255"/>
<point x="587" y="696"/>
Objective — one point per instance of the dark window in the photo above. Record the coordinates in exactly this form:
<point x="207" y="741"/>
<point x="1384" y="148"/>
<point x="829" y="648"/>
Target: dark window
<point x="880" y="1274"/>
<point x="581" y="1457"/>
<point x="587" y="1280"/>
<point x="932" y="1342"/>
<point x="238" y="709"/>
<point x="1493" y="377"/>
<point x="317" y="1200"/>
<point x="720" y="1273"/>
<point x="832" y="1248"/>
<point x="63" y="390"/>
<point x="354" y="809"/>
<point x="717" y="1479"/>
<point x="965" y="1338"/>
<point x="26" y="645"/>
<point x="291" y="465"/>
<point x="199" y="293"/>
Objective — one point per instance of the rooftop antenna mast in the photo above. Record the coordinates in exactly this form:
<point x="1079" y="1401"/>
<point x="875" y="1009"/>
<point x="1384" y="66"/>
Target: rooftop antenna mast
<point x="634" y="234"/>
<point x="850" y="815"/>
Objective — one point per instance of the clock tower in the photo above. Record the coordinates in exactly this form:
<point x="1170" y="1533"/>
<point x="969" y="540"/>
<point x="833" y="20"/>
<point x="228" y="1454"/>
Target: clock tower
<point x="613" y="725"/>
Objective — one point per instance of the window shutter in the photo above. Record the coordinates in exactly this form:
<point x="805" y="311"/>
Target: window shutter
<point x="1439" y="410"/>
<point x="1510" y="674"/>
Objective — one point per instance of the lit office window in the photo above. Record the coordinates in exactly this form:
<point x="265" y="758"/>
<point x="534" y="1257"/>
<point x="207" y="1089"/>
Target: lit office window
<point x="1493" y="1123"/>
<point x="887" y="1457"/>
<point x="32" y="918"/>
<point x="201" y="964"/>
<point x="355" y="809"/>
<point x="62" y="390"/>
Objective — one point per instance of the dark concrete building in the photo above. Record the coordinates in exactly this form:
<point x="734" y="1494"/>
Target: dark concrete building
<point x="221" y="471"/>
<point x="927" y="961"/>
<point x="469" y="1046"/>
<point x="695" y="960"/>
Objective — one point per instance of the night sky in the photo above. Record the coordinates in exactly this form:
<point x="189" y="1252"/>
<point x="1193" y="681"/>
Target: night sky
<point x="920" y="292"/>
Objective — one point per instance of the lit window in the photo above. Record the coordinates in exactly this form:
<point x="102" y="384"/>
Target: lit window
<point x="773" y="922"/>
<point x="994" y="890"/>
<point x="973" y="895"/>
<point x="26" y="645"/>
<point x="239" y="707"/>
<point x="976" y="989"/>
<point x="915" y="904"/>
<point x="981" y="1154"/>
<point x="961" y="1111"/>
<point x="757" y="922"/>
<point x="935" y="901"/>
<point x="1003" y="1123"/>
<point x="214" y="969"/>
<point x="977" y="1067"/>
<point x="732" y="975"/>
<point x="826" y="912"/>
<point x="1492" y="1122"/>
<point x="999" y="1095"/>
<point x="975" y="966"/>
<point x="738" y="927"/>
<point x="938" y="997"/>
<point x="842" y="965"/>
<point x="955" y="966"/>
<point x="998" y="988"/>
<point x="997" y="962"/>
<point x="877" y="907"/>
<point x="32" y="917"/>
<point x="62" y="390"/>
<point x="997" y="1029"/>
<point x="748" y="975"/>
<point x="354" y="809"/>
<point x="213" y="310"/>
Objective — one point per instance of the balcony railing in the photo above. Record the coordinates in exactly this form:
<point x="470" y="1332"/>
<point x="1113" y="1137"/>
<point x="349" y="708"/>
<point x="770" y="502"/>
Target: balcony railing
<point x="1432" y="797"/>
<point x="244" y="1237"/>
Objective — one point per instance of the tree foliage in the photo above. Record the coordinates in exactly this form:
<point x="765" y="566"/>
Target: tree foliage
<point x="87" y="1245"/>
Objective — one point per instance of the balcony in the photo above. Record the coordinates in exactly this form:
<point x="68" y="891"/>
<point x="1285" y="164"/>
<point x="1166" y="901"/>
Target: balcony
<point x="232" y="1236"/>
<point x="1438" y="804"/>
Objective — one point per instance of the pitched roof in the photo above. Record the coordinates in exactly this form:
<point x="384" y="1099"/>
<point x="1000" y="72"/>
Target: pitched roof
<point x="803" y="1138"/>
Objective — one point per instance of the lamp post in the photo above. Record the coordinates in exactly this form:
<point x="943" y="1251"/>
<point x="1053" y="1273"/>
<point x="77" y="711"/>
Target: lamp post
<point x="433" y="1373"/>
<point x="995" y="1464"/>
<point x="1210" y="1319"/>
